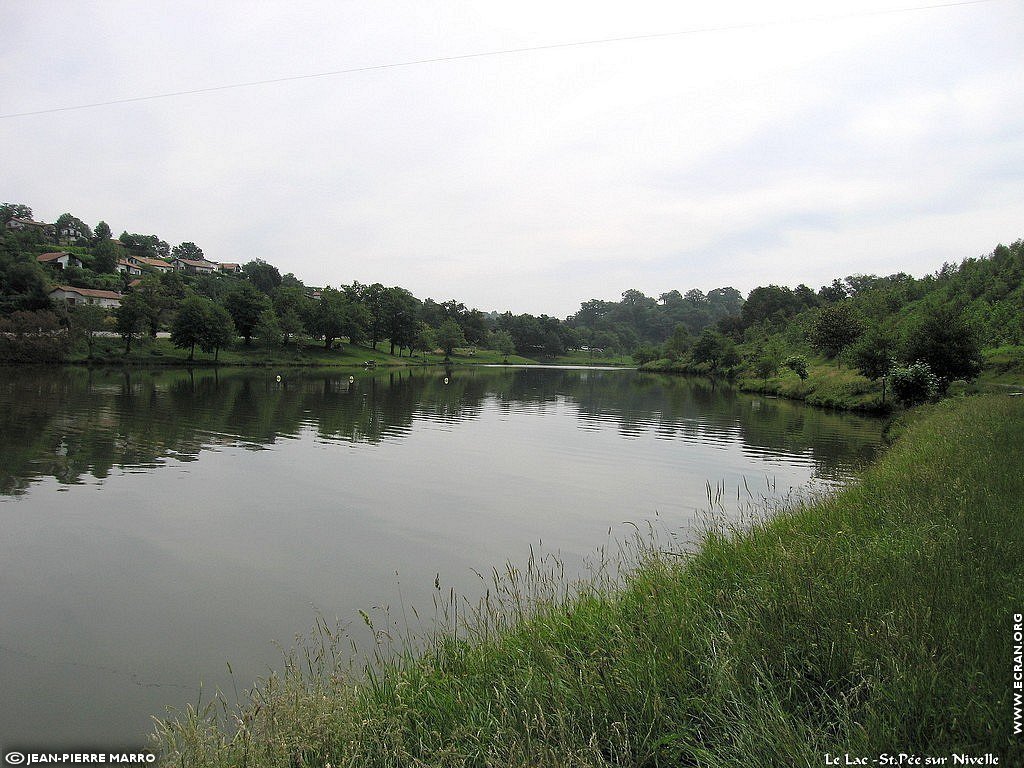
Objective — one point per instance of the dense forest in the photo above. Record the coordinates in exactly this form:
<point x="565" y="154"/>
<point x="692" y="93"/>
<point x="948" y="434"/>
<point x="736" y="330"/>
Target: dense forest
<point x="920" y="334"/>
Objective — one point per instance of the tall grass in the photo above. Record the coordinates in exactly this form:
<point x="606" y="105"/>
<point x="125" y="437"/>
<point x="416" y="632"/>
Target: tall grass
<point x="877" y="620"/>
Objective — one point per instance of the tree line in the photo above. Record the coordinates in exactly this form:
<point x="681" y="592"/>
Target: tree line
<point x="915" y="334"/>
<point x="209" y="311"/>
<point x="926" y="331"/>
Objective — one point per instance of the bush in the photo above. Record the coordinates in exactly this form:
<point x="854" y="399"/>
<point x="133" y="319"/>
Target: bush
<point x="798" y="365"/>
<point x="915" y="384"/>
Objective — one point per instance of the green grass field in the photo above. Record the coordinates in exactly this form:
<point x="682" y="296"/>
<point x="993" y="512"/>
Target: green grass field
<point x="874" y="621"/>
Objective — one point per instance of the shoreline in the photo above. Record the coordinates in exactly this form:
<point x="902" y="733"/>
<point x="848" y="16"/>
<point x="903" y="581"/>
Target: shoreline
<point x="865" y="622"/>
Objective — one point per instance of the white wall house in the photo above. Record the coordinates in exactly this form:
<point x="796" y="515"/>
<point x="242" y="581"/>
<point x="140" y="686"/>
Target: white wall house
<point x="159" y="265"/>
<point x="59" y="260"/>
<point x="194" y="265"/>
<point x="73" y="296"/>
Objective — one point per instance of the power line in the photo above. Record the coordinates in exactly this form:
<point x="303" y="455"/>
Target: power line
<point x="486" y="54"/>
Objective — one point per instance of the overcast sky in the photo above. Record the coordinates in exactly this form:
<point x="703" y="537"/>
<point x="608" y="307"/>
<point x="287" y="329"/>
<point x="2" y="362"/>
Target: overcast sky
<point x="777" y="142"/>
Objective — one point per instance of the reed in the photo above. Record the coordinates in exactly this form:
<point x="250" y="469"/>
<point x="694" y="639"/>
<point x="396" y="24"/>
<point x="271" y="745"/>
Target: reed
<point x="876" y="620"/>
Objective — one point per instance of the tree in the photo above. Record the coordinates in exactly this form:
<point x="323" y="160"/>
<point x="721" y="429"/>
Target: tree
<point x="244" y="303"/>
<point x="129" y="319"/>
<point x="766" y="365"/>
<point x="158" y="300"/>
<point x="86" y="321"/>
<point x="836" y="327"/>
<point x="708" y="349"/>
<point x="10" y="211"/>
<point x="150" y="246"/>
<point x="219" y="330"/>
<point x="102" y="232"/>
<point x="190" y="323"/>
<point x="204" y="323"/>
<point x="873" y="354"/>
<point x="337" y="315"/>
<point x="188" y="250"/>
<point x="262" y="275"/>
<point x="105" y="255"/>
<point x="449" y="336"/>
<point x="425" y="339"/>
<point x="798" y="365"/>
<point x="834" y="292"/>
<point x="371" y="297"/>
<point x="400" y="310"/>
<point x="770" y="304"/>
<point x="293" y="310"/>
<point x="502" y="343"/>
<point x="942" y="339"/>
<point x="268" y="330"/>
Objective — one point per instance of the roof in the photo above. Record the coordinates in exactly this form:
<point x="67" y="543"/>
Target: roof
<point x="152" y="262"/>
<point x="92" y="292"/>
<point x="135" y="283"/>
<point x="28" y="222"/>
<point x="198" y="263"/>
<point x="228" y="265"/>
<point x="55" y="256"/>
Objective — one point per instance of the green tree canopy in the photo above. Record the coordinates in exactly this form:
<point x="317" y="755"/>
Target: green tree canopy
<point x="10" y="211"/>
<point x="943" y="340"/>
<point x="836" y="327"/>
<point x="130" y="318"/>
<point x="449" y="336"/>
<point x="188" y="250"/>
<point x="245" y="303"/>
<point x="262" y="275"/>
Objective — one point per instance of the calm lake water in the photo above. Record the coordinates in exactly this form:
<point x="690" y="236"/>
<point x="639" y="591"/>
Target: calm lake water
<point x="158" y="525"/>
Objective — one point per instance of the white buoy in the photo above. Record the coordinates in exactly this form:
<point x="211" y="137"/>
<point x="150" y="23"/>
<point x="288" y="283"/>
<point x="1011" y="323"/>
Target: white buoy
<point x="279" y="377"/>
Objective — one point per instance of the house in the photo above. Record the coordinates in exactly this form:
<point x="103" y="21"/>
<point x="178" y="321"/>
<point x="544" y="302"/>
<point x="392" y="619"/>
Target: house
<point x="70" y="234"/>
<point x="60" y="260"/>
<point x="134" y="283"/>
<point x="125" y="267"/>
<point x="27" y="224"/>
<point x="234" y="269"/>
<point x="194" y="265"/>
<point x="157" y="264"/>
<point x="73" y="296"/>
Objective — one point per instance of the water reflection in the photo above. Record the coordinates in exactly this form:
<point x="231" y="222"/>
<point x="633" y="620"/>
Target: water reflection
<point x="72" y="423"/>
<point x="158" y="523"/>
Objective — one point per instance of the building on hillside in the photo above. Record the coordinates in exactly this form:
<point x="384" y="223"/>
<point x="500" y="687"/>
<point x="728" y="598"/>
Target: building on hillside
<point x="127" y="268"/>
<point x="28" y="224"/>
<point x="60" y="260"/>
<point x="134" y="283"/>
<point x="69" y="234"/>
<point x="73" y="296"/>
<point x="156" y="264"/>
<point x="234" y="269"/>
<point x="194" y="266"/>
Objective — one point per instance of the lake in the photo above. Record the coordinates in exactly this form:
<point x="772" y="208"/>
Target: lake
<point x="162" y="524"/>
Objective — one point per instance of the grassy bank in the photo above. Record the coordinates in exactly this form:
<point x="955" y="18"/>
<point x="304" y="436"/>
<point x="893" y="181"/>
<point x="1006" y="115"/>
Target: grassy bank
<point x="146" y="351"/>
<point x="110" y="351"/>
<point x="875" y="621"/>
<point x="827" y="385"/>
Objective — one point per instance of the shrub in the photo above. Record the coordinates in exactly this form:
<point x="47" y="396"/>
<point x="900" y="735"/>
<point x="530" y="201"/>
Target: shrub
<point x="915" y="384"/>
